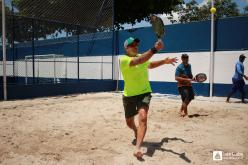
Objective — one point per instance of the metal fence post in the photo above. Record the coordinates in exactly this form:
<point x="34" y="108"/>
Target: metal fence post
<point x="66" y="69"/>
<point x="113" y="38"/>
<point x="26" y="71"/>
<point x="54" y="69"/>
<point x="4" y="51"/>
<point x="102" y="68"/>
<point x="211" y="74"/>
<point x="78" y="32"/>
<point x="38" y="71"/>
<point x="13" y="39"/>
<point x="33" y="36"/>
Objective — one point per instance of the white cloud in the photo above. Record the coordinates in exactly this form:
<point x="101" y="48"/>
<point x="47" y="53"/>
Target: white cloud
<point x="204" y="2"/>
<point x="165" y="19"/>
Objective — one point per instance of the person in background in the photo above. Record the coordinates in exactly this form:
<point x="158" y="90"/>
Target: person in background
<point x="184" y="77"/>
<point x="238" y="79"/>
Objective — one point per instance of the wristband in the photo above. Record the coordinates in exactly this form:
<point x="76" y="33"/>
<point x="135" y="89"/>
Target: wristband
<point x="154" y="50"/>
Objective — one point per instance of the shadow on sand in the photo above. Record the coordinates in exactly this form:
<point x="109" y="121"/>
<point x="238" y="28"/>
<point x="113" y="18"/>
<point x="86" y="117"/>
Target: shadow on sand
<point x="153" y="146"/>
<point x="196" y="115"/>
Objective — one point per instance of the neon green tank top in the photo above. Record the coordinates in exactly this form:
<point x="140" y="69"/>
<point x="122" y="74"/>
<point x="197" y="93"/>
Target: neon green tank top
<point x="136" y="79"/>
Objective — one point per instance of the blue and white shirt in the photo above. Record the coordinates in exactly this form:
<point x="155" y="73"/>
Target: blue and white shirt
<point x="239" y="71"/>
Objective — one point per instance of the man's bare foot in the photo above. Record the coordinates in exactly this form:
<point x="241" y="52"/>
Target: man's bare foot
<point x="183" y="115"/>
<point x="135" y="139"/>
<point x="138" y="154"/>
<point x="180" y="112"/>
<point x="227" y="101"/>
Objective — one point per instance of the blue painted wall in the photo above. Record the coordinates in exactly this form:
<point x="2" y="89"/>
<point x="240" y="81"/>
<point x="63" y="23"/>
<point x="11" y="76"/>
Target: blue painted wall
<point x="190" y="37"/>
<point x="231" y="34"/>
<point x="200" y="89"/>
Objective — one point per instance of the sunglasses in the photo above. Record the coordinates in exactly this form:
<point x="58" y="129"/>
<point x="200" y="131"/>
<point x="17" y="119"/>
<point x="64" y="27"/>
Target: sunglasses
<point x="134" y="44"/>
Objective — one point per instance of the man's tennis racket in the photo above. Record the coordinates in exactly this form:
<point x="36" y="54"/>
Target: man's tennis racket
<point x="200" y="77"/>
<point x="158" y="27"/>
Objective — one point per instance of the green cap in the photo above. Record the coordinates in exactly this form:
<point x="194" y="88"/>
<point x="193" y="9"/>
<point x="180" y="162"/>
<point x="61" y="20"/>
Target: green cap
<point x="130" y="40"/>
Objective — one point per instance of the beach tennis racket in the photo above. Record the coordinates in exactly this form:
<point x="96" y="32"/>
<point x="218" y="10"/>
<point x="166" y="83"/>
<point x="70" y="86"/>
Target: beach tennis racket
<point x="158" y="27"/>
<point x="200" y="77"/>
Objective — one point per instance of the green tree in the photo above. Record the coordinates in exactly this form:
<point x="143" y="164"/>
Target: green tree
<point x="133" y="11"/>
<point x="245" y="10"/>
<point x="191" y="11"/>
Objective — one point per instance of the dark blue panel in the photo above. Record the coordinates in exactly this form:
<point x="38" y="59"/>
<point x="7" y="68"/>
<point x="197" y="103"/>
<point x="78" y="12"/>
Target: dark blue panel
<point x="49" y="49"/>
<point x="224" y="89"/>
<point x="220" y="90"/>
<point x="200" y="89"/>
<point x="42" y="90"/>
<point x="69" y="49"/>
<point x="179" y="37"/>
<point x="22" y="52"/>
<point x="232" y="33"/>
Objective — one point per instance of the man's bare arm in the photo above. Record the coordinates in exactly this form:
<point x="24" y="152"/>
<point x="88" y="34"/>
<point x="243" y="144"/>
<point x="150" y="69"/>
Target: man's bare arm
<point x="141" y="59"/>
<point x="181" y="79"/>
<point x="155" y="64"/>
<point x="146" y="56"/>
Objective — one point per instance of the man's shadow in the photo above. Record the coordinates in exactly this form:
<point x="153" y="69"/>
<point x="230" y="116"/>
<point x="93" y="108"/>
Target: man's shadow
<point x="240" y="102"/>
<point x="196" y="115"/>
<point x="153" y="146"/>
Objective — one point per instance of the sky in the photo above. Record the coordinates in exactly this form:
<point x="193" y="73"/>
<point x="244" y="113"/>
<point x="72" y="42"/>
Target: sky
<point x="241" y="3"/>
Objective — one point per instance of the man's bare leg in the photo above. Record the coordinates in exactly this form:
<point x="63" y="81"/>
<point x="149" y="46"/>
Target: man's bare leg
<point x="141" y="131"/>
<point x="185" y="109"/>
<point x="181" y="110"/>
<point x="131" y="124"/>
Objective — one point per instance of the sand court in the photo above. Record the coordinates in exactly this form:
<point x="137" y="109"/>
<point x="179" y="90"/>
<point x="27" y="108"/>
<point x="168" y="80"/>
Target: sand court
<point x="91" y="129"/>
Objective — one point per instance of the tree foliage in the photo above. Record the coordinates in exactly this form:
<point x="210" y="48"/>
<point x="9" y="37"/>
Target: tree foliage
<point x="245" y="10"/>
<point x="133" y="11"/>
<point x="192" y="11"/>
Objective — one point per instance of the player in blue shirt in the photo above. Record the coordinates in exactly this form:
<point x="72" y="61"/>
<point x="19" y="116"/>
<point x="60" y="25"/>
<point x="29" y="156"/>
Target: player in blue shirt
<point x="184" y="77"/>
<point x="238" y="79"/>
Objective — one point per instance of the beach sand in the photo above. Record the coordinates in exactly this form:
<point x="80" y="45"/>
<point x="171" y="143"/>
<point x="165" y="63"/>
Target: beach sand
<point x="90" y="129"/>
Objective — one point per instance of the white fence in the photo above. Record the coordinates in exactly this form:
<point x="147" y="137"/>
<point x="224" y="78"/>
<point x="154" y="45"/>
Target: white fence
<point x="57" y="67"/>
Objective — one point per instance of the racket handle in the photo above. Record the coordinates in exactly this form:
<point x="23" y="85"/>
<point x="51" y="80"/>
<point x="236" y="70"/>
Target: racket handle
<point x="160" y="40"/>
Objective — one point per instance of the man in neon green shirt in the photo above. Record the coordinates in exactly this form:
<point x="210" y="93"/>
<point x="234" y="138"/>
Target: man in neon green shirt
<point x="137" y="89"/>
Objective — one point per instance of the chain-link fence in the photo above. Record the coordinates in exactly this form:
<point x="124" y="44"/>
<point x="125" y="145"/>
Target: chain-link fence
<point x="58" y="41"/>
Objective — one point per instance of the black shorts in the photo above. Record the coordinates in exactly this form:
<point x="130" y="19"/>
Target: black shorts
<point x="187" y="93"/>
<point x="133" y="103"/>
